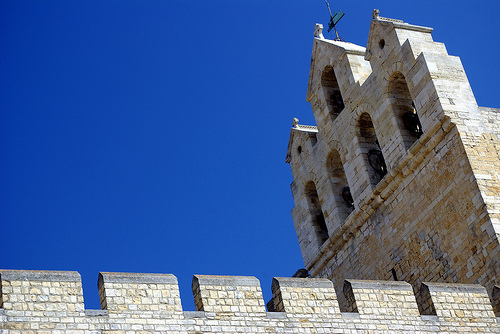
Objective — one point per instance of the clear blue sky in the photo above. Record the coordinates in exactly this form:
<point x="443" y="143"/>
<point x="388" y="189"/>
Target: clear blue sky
<point x="150" y="136"/>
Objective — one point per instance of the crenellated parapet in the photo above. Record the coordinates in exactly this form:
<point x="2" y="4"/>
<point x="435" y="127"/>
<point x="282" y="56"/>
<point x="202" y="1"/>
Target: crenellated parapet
<point x="46" y="302"/>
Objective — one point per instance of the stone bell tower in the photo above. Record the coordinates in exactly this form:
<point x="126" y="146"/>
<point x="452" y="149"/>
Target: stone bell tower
<point x="400" y="179"/>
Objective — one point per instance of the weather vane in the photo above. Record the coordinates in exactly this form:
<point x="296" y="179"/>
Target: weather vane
<point x="334" y="19"/>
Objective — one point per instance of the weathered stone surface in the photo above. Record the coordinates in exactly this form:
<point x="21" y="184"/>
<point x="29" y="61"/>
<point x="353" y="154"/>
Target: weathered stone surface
<point x="235" y="305"/>
<point x="435" y="215"/>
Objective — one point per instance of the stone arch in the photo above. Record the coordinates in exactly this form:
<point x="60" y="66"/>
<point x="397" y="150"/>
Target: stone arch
<point x="331" y="92"/>
<point x="403" y="109"/>
<point x="310" y="177"/>
<point x="397" y="66"/>
<point x="337" y="146"/>
<point x="356" y="114"/>
<point x="363" y="108"/>
<point x="322" y="63"/>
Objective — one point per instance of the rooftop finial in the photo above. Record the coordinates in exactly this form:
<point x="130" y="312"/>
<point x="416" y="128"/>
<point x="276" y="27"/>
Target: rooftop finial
<point x="375" y="14"/>
<point x="295" y="122"/>
<point x="318" y="31"/>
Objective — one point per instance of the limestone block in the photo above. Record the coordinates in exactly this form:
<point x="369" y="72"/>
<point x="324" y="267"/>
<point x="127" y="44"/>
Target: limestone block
<point x="132" y="292"/>
<point x="305" y="296"/>
<point x="459" y="302"/>
<point x="381" y="298"/>
<point x="43" y="292"/>
<point x="228" y="295"/>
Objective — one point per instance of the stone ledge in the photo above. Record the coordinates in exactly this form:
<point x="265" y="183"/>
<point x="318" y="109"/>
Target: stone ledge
<point x="454" y="287"/>
<point x="276" y="315"/>
<point x="350" y="315"/>
<point x="107" y="277"/>
<point x="489" y="109"/>
<point x="379" y="285"/>
<point x="292" y="282"/>
<point x="348" y="48"/>
<point x="96" y="313"/>
<point x="412" y="27"/>
<point x="402" y="25"/>
<point x="194" y="314"/>
<point x="225" y="280"/>
<point x="40" y="275"/>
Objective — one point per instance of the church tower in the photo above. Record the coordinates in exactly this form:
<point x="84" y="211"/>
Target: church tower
<point x="400" y="177"/>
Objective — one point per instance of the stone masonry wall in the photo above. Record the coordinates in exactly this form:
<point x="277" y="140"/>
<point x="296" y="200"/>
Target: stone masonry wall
<point x="441" y="234"/>
<point x="44" y="302"/>
<point x="435" y="215"/>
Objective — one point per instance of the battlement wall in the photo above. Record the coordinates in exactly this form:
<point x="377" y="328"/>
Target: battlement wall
<point x="50" y="301"/>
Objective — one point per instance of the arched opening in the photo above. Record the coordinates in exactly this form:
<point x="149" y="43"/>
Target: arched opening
<point x="344" y="203"/>
<point x="318" y="219"/>
<point x="331" y="90"/>
<point x="404" y="109"/>
<point x="371" y="150"/>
